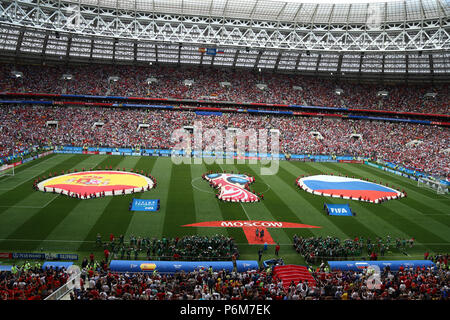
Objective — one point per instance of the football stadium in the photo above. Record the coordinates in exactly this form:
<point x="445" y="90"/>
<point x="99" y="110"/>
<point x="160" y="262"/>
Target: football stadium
<point x="224" y="150"/>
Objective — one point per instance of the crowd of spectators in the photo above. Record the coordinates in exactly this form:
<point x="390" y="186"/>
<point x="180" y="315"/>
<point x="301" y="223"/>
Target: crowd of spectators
<point x="438" y="258"/>
<point x="97" y="282"/>
<point x="419" y="147"/>
<point x="209" y="284"/>
<point x="315" y="249"/>
<point x="430" y="283"/>
<point x="190" y="247"/>
<point x="30" y="282"/>
<point x="133" y="81"/>
<point x="203" y="284"/>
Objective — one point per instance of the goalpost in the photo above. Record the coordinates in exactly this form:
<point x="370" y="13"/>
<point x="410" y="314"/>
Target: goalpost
<point x="437" y="186"/>
<point x="7" y="169"/>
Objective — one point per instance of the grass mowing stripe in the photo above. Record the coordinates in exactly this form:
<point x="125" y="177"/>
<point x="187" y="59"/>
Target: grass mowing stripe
<point x="280" y="211"/>
<point x="17" y="194"/>
<point x="364" y="225"/>
<point x="312" y="208"/>
<point x="180" y="207"/>
<point x="383" y="228"/>
<point x="142" y="223"/>
<point x="78" y="221"/>
<point x="268" y="209"/>
<point x="369" y="208"/>
<point x="283" y="209"/>
<point x="232" y="211"/>
<point x="349" y="225"/>
<point x="45" y="220"/>
<point x="28" y="165"/>
<point x="420" y="233"/>
<point x="162" y="171"/>
<point x="408" y="185"/>
<point x="418" y="208"/>
<point x="399" y="221"/>
<point x="256" y="210"/>
<point x="26" y="170"/>
<point x="206" y="206"/>
<point x="115" y="216"/>
<point x="15" y="215"/>
<point x="424" y="194"/>
<point x="421" y="206"/>
<point x="408" y="211"/>
<point x="260" y="210"/>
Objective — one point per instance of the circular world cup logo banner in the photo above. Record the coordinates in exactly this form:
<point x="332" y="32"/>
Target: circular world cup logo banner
<point x="347" y="188"/>
<point x="233" y="187"/>
<point x="85" y="185"/>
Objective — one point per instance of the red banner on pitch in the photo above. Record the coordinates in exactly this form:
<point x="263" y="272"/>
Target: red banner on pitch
<point x="249" y="228"/>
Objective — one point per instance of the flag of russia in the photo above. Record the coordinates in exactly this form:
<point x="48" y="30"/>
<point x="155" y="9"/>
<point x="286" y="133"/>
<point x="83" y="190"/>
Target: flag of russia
<point x="347" y="188"/>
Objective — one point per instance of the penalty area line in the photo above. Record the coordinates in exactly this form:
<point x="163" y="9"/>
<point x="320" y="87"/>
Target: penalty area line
<point x="32" y="207"/>
<point x="28" y="171"/>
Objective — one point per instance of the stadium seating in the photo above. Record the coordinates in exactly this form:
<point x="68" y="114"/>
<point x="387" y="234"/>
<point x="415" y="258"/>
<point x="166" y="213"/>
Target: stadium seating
<point x="380" y="140"/>
<point x="134" y="81"/>
<point x="286" y="283"/>
<point x="30" y="284"/>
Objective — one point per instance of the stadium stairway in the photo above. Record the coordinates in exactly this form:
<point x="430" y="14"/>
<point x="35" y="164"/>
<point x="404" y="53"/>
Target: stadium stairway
<point x="290" y="272"/>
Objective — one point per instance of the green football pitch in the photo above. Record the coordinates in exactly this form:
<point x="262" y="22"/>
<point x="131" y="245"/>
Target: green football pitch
<point x="33" y="221"/>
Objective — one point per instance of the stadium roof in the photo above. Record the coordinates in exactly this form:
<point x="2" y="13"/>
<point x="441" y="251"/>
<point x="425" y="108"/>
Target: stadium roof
<point x="400" y="37"/>
<point x="305" y="11"/>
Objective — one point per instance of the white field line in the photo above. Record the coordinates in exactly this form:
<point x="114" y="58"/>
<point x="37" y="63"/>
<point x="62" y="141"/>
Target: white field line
<point x="268" y="186"/>
<point x="33" y="174"/>
<point x="50" y="201"/>
<point x="245" y="211"/>
<point x="414" y="183"/>
<point x="27" y="169"/>
<point x="199" y="189"/>
<point x="31" y="207"/>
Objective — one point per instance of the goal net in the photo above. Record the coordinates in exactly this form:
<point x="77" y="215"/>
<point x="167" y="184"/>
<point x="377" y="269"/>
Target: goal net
<point x="6" y="170"/>
<point x="437" y="186"/>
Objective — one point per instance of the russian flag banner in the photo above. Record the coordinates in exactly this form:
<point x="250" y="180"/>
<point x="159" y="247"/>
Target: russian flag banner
<point x="347" y="188"/>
